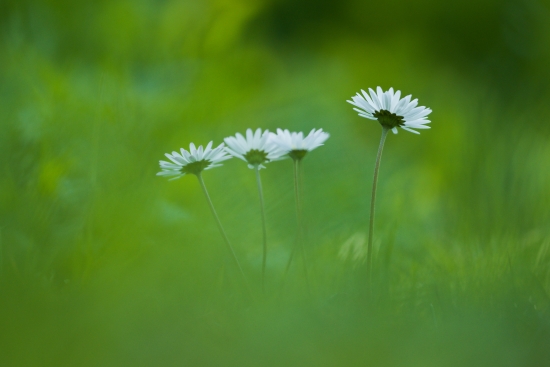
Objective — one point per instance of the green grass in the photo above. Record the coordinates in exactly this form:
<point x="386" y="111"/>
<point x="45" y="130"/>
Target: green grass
<point x="104" y="264"/>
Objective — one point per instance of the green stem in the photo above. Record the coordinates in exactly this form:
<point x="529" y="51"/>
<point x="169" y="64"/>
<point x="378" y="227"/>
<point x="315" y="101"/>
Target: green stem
<point x="222" y="231"/>
<point x="300" y="235"/>
<point x="372" y="202"/>
<point x="264" y="229"/>
<point x="1" y="257"/>
<point x="299" y="218"/>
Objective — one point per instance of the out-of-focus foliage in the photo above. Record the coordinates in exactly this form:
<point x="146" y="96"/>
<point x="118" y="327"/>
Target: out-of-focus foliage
<point x="104" y="264"/>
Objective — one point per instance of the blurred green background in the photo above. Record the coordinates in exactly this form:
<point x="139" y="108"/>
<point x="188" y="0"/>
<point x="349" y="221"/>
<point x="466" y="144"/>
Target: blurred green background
<point x="104" y="264"/>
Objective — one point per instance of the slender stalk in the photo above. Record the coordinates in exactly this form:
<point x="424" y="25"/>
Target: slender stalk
<point x="264" y="229"/>
<point x="1" y="257"/>
<point x="222" y="231"/>
<point x="372" y="202"/>
<point x="298" y="203"/>
<point x="300" y="233"/>
<point x="299" y="218"/>
<point x="298" y="213"/>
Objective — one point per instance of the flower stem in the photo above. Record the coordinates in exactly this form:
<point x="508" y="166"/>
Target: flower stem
<point x="262" y="207"/>
<point x="385" y="131"/>
<point x="299" y="218"/>
<point x="222" y="231"/>
<point x="300" y="235"/>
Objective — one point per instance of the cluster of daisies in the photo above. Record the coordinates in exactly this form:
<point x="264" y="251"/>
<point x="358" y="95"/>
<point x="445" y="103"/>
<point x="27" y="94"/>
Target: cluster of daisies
<point x="257" y="148"/>
<point x="260" y="147"/>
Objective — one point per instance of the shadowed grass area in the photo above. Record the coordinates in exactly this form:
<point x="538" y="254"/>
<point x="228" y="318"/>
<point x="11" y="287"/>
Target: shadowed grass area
<point x="104" y="264"/>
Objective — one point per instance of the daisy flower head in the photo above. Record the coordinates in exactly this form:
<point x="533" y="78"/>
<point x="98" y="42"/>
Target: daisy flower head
<point x="256" y="148"/>
<point x="295" y="145"/>
<point x="390" y="110"/>
<point x="193" y="161"/>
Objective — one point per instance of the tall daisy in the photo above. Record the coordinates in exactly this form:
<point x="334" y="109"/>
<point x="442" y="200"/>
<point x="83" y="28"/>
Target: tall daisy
<point x="257" y="150"/>
<point x="296" y="146"/>
<point x="391" y="112"/>
<point x="194" y="161"/>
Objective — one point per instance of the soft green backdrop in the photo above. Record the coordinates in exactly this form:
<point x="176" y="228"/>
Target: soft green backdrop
<point x="104" y="264"/>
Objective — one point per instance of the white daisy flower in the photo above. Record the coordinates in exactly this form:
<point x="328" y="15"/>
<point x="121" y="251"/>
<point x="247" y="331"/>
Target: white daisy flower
<point x="390" y="110"/>
<point x="193" y="161"/>
<point x="295" y="145"/>
<point x="256" y="149"/>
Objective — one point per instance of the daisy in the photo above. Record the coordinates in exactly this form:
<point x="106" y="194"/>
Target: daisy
<point x="256" y="149"/>
<point x="193" y="161"/>
<point x="295" y="145"/>
<point x="391" y="111"/>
